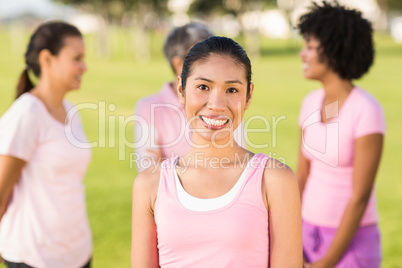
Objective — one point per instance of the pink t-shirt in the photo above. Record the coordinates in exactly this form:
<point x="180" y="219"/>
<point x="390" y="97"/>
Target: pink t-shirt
<point x="46" y="223"/>
<point x="235" y="235"/>
<point x="162" y="128"/>
<point x="330" y="149"/>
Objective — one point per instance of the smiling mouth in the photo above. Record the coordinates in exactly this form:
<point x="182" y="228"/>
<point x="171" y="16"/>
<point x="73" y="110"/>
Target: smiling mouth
<point x="305" y="65"/>
<point x="214" y="123"/>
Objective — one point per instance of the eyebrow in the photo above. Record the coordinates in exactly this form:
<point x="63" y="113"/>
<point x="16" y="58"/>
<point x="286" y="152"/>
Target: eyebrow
<point x="234" y="82"/>
<point x="226" y="82"/>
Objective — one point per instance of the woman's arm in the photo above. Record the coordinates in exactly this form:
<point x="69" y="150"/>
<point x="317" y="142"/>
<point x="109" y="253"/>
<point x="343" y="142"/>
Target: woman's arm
<point x="303" y="167"/>
<point x="303" y="170"/>
<point x="144" y="251"/>
<point x="366" y="161"/>
<point x="282" y="194"/>
<point x="10" y="170"/>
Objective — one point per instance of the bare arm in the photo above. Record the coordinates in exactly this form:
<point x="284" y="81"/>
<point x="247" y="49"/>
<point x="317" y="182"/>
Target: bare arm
<point x="366" y="160"/>
<point x="303" y="167"/>
<point x="10" y="170"/>
<point x="144" y="252"/>
<point x="282" y="194"/>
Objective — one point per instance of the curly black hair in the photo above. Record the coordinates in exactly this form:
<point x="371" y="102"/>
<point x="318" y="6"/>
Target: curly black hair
<point x="346" y="42"/>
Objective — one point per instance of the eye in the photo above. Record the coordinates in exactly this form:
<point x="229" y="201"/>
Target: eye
<point x="203" y="87"/>
<point x="79" y="57"/>
<point x="311" y="47"/>
<point x="232" y="90"/>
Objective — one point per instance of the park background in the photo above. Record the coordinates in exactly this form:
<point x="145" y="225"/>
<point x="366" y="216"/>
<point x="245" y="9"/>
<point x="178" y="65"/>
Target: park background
<point x="126" y="63"/>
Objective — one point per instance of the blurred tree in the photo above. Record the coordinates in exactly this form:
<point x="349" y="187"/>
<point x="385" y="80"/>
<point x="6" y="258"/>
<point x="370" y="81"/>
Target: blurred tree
<point x="114" y="10"/>
<point x="390" y="5"/>
<point x="387" y="6"/>
<point x="140" y="16"/>
<point x="226" y="6"/>
<point x="246" y="12"/>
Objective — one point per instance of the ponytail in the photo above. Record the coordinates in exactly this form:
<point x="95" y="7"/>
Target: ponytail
<point x="50" y="36"/>
<point x="24" y="83"/>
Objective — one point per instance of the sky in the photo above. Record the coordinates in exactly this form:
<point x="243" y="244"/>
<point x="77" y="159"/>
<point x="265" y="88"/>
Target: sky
<point x="41" y="8"/>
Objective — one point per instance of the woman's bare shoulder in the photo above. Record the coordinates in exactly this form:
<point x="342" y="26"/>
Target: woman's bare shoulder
<point x="278" y="174"/>
<point x="281" y="186"/>
<point x="147" y="182"/>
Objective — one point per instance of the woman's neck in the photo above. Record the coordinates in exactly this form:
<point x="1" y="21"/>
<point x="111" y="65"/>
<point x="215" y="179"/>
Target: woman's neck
<point x="336" y="88"/>
<point x="214" y="155"/>
<point x="52" y="98"/>
<point x="50" y="95"/>
<point x="336" y="92"/>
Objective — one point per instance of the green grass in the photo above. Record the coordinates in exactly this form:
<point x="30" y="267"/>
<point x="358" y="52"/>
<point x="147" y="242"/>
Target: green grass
<point x="279" y="89"/>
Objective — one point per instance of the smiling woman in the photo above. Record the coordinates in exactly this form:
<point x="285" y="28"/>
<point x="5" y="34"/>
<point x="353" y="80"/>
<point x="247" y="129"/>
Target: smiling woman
<point x="219" y="205"/>
<point x="215" y="103"/>
<point x="43" y="219"/>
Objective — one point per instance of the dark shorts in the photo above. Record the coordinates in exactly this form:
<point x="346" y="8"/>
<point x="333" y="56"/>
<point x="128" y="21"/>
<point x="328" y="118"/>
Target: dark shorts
<point x="23" y="265"/>
<point x="364" y="251"/>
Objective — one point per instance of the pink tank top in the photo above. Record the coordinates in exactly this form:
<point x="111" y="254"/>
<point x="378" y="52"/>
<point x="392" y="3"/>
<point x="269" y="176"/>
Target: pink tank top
<point x="235" y="235"/>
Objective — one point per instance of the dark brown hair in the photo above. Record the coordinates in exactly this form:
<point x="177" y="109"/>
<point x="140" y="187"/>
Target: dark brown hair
<point x="346" y="38"/>
<point x="50" y="36"/>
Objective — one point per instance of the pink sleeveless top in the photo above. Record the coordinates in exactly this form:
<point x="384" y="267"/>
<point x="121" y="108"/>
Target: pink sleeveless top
<point x="235" y="235"/>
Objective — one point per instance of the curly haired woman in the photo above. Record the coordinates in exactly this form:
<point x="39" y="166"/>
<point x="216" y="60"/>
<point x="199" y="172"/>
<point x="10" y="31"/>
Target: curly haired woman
<point x="342" y="128"/>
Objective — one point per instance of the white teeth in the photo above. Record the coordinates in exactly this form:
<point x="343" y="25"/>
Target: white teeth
<point x="305" y="65"/>
<point x="213" y="122"/>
